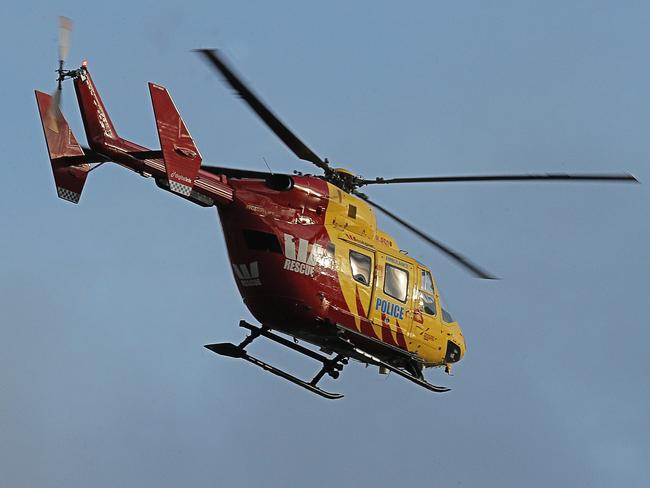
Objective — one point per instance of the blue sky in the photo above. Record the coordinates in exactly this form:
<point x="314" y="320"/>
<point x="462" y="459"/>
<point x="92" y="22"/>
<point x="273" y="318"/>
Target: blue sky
<point x="106" y="306"/>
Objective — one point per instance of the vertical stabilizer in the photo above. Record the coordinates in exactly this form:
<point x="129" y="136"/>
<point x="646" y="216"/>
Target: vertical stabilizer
<point x="69" y="164"/>
<point x="181" y="156"/>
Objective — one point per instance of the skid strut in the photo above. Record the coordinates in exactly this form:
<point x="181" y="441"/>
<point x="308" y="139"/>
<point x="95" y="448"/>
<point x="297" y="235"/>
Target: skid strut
<point x="331" y="366"/>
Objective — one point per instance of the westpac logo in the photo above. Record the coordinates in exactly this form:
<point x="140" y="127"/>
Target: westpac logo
<point x="248" y="275"/>
<point x="300" y="256"/>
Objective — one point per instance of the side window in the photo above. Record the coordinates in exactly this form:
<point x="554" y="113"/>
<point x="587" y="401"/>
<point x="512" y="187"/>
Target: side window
<point x="261" y="241"/>
<point x="427" y="282"/>
<point x="428" y="300"/>
<point x="396" y="282"/>
<point x="361" y="267"/>
<point x="428" y="304"/>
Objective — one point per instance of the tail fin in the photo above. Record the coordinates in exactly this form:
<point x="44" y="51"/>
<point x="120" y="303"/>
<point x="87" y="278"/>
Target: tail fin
<point x="98" y="125"/>
<point x="69" y="164"/>
<point x="180" y="154"/>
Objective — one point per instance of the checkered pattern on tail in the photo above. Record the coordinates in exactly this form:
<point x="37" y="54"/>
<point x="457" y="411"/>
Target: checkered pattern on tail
<point x="179" y="188"/>
<point x="68" y="195"/>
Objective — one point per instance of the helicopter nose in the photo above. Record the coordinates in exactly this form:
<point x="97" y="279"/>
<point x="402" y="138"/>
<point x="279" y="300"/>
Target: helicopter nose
<point x="454" y="352"/>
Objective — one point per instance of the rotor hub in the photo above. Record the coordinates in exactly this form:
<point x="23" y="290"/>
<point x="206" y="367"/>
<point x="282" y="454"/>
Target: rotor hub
<point x="344" y="179"/>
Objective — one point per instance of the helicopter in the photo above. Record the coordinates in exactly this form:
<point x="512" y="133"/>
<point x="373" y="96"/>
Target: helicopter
<point x="307" y="255"/>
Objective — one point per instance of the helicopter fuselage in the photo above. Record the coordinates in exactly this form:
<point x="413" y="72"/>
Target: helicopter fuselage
<point x="310" y="261"/>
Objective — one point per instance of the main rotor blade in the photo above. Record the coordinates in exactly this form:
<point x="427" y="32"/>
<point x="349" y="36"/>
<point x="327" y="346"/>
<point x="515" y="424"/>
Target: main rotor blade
<point x="612" y="177"/>
<point x="298" y="147"/>
<point x="459" y="258"/>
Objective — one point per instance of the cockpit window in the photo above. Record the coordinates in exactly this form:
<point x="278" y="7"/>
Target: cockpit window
<point x="427" y="299"/>
<point x="361" y="267"/>
<point x="396" y="282"/>
<point x="427" y="282"/>
<point x="428" y="304"/>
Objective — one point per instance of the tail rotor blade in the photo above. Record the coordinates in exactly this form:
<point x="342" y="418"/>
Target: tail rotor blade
<point x="65" y="28"/>
<point x="54" y="112"/>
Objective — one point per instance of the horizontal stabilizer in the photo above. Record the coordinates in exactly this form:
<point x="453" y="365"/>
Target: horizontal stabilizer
<point x="182" y="158"/>
<point x="69" y="162"/>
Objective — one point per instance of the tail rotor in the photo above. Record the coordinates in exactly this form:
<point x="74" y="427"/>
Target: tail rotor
<point x="65" y="29"/>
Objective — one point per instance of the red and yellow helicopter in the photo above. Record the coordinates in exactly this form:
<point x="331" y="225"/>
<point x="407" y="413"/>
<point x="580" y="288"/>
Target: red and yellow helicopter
<point x="307" y="255"/>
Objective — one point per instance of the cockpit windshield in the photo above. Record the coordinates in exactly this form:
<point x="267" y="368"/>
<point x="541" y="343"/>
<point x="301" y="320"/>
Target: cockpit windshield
<point x="446" y="316"/>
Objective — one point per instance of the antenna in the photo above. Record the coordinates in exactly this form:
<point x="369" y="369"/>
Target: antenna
<point x="267" y="165"/>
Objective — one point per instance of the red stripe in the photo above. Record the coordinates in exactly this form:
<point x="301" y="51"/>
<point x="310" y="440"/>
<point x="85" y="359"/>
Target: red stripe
<point x="366" y="325"/>
<point x="386" y="336"/>
<point x="401" y="342"/>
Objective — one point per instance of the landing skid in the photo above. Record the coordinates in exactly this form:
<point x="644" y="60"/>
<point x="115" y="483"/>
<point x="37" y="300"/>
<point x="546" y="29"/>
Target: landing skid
<point x="412" y="373"/>
<point x="331" y="367"/>
<point x="404" y="374"/>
